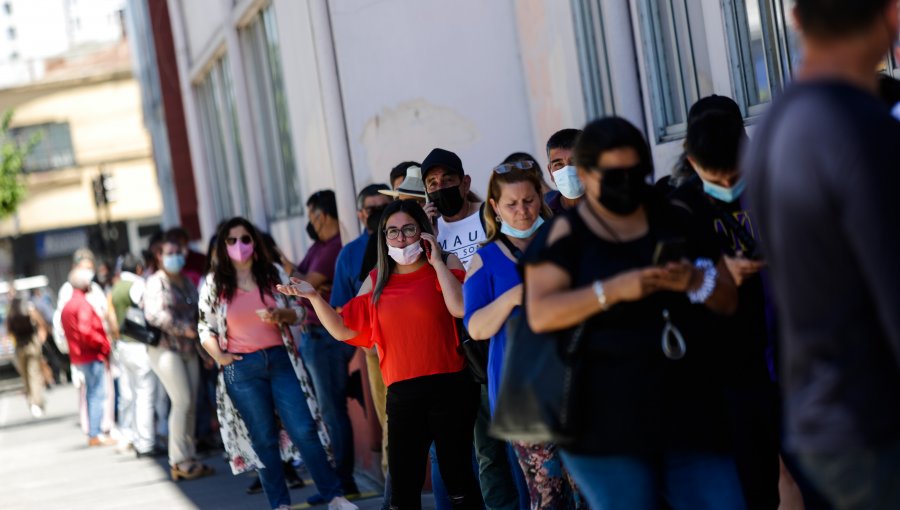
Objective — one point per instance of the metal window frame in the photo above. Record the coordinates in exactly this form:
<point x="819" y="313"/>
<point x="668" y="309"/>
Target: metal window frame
<point x="264" y="75"/>
<point x="667" y="127"/>
<point x="52" y="151"/>
<point x="593" y="60"/>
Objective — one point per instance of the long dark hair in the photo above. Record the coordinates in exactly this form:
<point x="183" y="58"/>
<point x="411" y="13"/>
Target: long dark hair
<point x="224" y="275"/>
<point x="386" y="264"/>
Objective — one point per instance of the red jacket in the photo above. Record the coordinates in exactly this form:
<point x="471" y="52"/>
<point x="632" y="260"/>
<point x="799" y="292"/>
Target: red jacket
<point x="84" y="331"/>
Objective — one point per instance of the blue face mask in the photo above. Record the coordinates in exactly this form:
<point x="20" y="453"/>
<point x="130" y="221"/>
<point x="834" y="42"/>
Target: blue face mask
<point x="173" y="263"/>
<point x="568" y="183"/>
<point x="724" y="194"/>
<point x="521" y="234"/>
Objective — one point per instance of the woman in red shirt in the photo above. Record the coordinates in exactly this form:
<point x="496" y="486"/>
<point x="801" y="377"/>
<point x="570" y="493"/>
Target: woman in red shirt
<point x="407" y="309"/>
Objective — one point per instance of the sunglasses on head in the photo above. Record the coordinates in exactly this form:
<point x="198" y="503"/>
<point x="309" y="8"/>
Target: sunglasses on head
<point x="506" y="168"/>
<point x="245" y="239"/>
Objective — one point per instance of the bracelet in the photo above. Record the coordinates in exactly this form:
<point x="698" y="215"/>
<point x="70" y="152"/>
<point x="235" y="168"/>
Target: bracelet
<point x="601" y="296"/>
<point x="710" y="276"/>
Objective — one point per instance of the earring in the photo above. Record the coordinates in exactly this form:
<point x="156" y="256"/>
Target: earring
<point x="499" y="219"/>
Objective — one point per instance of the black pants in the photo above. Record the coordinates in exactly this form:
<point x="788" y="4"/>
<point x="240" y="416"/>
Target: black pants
<point x="754" y="424"/>
<point x="440" y="409"/>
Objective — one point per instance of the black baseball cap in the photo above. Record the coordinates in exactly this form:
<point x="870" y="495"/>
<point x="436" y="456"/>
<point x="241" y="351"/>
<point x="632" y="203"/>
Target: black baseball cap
<point x="444" y="158"/>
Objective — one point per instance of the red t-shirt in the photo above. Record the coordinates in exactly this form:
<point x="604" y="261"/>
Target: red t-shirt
<point x="415" y="333"/>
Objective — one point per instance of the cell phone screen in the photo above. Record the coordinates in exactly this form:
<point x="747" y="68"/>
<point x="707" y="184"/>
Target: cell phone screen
<point x="669" y="250"/>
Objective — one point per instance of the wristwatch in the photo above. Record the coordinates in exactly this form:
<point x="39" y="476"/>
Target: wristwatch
<point x="601" y="296"/>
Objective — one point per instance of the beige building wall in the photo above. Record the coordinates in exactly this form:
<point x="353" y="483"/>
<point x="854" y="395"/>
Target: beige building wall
<point x="107" y="131"/>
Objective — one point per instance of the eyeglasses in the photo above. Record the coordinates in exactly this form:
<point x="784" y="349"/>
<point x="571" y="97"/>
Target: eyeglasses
<point x="407" y="231"/>
<point x="245" y="239"/>
<point x="506" y="168"/>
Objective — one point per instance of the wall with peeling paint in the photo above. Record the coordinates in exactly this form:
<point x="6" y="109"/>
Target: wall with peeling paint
<point x="430" y="73"/>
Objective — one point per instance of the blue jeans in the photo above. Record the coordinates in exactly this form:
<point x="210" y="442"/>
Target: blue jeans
<point x="686" y="480"/>
<point x="95" y="392"/>
<point x="259" y="384"/>
<point x="327" y="360"/>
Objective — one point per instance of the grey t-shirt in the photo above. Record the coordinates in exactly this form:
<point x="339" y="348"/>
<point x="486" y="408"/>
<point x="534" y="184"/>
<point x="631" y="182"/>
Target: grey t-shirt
<point x="823" y="174"/>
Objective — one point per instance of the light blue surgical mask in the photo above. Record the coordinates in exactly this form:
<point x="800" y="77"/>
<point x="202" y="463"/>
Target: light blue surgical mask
<point x="568" y="183"/>
<point x="173" y="263"/>
<point x="521" y="234"/>
<point x="725" y="194"/>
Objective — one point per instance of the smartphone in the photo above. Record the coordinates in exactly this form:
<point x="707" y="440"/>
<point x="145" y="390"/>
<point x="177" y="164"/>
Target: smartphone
<point x="669" y="250"/>
<point x="426" y="247"/>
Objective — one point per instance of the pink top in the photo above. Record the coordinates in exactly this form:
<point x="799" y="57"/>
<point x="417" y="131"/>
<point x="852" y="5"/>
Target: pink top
<point x="246" y="331"/>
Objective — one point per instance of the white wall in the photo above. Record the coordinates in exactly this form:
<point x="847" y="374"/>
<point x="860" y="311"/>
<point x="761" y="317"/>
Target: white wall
<point x="429" y="73"/>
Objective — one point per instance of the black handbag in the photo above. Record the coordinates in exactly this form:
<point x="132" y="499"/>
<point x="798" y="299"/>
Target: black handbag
<point x="476" y="353"/>
<point x="135" y="326"/>
<point x="537" y="396"/>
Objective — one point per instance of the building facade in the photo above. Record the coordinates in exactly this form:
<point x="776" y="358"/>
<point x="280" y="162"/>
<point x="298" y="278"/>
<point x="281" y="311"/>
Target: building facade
<point x="86" y="111"/>
<point x="282" y="98"/>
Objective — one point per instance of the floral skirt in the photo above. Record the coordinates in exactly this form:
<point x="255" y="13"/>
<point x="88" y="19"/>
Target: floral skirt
<point x="549" y="484"/>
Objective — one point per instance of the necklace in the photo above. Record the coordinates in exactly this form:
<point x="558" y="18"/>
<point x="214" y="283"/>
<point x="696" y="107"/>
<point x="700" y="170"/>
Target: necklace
<point x="604" y="224"/>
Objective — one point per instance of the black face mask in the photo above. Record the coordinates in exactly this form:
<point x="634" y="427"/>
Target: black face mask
<point x="448" y="201"/>
<point x="374" y="218"/>
<point x="311" y="231"/>
<point x="622" y="189"/>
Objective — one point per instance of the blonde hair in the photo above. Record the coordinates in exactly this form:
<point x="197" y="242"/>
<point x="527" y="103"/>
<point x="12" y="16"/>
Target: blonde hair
<point x="491" y="226"/>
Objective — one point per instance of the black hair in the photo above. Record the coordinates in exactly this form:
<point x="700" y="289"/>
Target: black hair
<point x="563" y="139"/>
<point x="714" y="141"/>
<point x="323" y="201"/>
<point x="386" y="264"/>
<point x="835" y="18"/>
<point x="130" y="263"/>
<point x="400" y="170"/>
<point x="372" y="190"/>
<point x="224" y="275"/>
<point x="607" y="134"/>
<point x="180" y="233"/>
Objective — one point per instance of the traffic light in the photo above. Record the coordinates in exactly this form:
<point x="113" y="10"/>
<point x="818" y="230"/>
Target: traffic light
<point x="104" y="189"/>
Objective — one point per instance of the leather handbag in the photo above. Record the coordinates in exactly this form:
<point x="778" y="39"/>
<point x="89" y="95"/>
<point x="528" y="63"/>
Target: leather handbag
<point x="135" y="326"/>
<point x="537" y="399"/>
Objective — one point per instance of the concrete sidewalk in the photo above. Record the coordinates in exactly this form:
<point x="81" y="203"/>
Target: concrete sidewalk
<point x="45" y="463"/>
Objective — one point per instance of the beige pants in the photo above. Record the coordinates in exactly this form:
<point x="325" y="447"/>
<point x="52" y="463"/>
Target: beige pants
<point x="180" y="376"/>
<point x="28" y="358"/>
<point x="379" y="397"/>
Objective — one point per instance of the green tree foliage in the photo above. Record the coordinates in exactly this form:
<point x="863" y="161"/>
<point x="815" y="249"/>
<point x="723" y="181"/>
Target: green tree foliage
<point x="12" y="159"/>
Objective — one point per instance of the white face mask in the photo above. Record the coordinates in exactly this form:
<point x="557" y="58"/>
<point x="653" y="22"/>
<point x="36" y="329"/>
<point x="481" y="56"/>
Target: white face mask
<point x="82" y="278"/>
<point x="405" y="256"/>
<point x="568" y="183"/>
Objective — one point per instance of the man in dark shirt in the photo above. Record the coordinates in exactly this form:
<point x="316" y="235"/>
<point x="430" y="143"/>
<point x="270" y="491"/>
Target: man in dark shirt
<point x="326" y="359"/>
<point x="715" y="132"/>
<point x="823" y="176"/>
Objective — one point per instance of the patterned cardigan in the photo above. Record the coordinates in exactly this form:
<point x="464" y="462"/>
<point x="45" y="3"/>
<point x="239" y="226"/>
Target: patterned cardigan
<point x="235" y="437"/>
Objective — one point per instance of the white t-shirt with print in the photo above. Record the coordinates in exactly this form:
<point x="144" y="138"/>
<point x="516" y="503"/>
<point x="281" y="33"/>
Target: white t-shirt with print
<point x="462" y="237"/>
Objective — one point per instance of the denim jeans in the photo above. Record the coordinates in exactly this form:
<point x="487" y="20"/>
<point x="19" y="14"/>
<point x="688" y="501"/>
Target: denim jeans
<point x="260" y="384"/>
<point x="686" y="480"/>
<point x="326" y="361"/>
<point x="861" y="479"/>
<point x="94" y="382"/>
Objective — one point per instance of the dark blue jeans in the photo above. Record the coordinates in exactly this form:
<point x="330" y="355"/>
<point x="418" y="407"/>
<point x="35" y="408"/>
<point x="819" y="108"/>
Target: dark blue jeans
<point x="327" y="360"/>
<point x="259" y="384"/>
<point x="686" y="480"/>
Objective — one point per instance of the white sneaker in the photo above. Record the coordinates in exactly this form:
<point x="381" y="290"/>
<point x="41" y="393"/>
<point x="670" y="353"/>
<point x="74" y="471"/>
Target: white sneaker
<point x="341" y="503"/>
<point x="36" y="411"/>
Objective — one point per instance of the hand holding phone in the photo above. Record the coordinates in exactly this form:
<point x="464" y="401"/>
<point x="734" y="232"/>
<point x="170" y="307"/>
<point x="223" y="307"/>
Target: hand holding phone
<point x="426" y="247"/>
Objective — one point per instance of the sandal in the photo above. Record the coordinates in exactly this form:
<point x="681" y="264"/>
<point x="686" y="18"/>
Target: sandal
<point x="190" y="471"/>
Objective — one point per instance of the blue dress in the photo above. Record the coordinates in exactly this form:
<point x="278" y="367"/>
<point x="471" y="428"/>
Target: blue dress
<point x="497" y="275"/>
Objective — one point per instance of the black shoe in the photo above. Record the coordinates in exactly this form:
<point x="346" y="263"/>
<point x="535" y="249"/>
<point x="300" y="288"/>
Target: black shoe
<point x="255" y="487"/>
<point x="290" y="476"/>
<point x="149" y="454"/>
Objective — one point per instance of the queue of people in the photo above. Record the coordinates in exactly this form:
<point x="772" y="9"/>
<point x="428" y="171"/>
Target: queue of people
<point x="657" y="299"/>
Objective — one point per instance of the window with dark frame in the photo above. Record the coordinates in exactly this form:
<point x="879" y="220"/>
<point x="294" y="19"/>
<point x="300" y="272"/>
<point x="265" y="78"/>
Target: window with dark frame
<point x="53" y="149"/>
